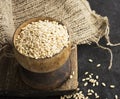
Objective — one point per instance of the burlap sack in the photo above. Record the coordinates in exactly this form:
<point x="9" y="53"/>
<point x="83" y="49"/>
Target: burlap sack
<point x="84" y="25"/>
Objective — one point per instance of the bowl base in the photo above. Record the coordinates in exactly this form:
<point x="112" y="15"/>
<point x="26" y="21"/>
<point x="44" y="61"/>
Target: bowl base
<point x="46" y="81"/>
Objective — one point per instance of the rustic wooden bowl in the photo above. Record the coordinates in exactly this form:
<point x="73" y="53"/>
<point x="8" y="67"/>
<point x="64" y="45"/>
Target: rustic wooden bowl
<point x="40" y="65"/>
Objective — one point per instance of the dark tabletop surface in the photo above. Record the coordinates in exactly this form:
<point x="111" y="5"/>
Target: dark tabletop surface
<point x="110" y="8"/>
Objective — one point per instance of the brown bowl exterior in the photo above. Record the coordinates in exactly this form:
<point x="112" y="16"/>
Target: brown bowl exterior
<point x="41" y="65"/>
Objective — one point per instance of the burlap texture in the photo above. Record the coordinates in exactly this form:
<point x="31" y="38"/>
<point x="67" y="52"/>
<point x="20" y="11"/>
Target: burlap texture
<point x="84" y="25"/>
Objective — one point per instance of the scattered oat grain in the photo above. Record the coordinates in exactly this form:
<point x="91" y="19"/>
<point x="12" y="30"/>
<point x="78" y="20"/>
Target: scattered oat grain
<point x="90" y="60"/>
<point x="112" y="86"/>
<point x="93" y="84"/>
<point x="77" y="95"/>
<point x="103" y="84"/>
<point x="98" y="65"/>
<point x="90" y="76"/>
<point x="89" y="94"/>
<point x="71" y="76"/>
<point x="97" y="83"/>
<point x="83" y="79"/>
<point x="88" y="90"/>
<point x="87" y="78"/>
<point x="97" y="77"/>
<point x="116" y="96"/>
<point x="96" y="95"/>
<point x="78" y="89"/>
<point x="86" y="83"/>
<point x="86" y="73"/>
<point x="92" y="91"/>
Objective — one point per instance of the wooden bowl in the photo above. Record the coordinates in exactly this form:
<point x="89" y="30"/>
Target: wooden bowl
<point x="40" y="65"/>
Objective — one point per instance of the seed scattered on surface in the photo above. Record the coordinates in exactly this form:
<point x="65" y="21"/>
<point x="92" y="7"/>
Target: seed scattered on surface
<point x="86" y="83"/>
<point x="96" y="95"/>
<point x="93" y="84"/>
<point x="89" y="94"/>
<point x="68" y="96"/>
<point x="77" y="95"/>
<point x="112" y="86"/>
<point x="78" y="89"/>
<point x="86" y="73"/>
<point x="88" y="90"/>
<point x="71" y="76"/>
<point x="86" y="98"/>
<point x="90" y="76"/>
<point x="90" y="60"/>
<point x="98" y="65"/>
<point x="116" y="96"/>
<point x="83" y="79"/>
<point x="97" y="83"/>
<point x="92" y="91"/>
<point x="103" y="84"/>
<point x="97" y="77"/>
<point x="87" y="78"/>
<point x="92" y="80"/>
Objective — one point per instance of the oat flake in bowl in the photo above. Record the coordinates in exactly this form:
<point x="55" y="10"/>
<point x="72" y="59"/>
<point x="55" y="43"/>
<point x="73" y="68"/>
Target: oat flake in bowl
<point x="42" y="39"/>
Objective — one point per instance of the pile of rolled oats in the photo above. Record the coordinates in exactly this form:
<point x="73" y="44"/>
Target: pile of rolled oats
<point x="42" y="39"/>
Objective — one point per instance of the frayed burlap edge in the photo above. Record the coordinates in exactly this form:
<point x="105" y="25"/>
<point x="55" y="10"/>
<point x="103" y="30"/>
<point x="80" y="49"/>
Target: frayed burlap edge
<point x="107" y="37"/>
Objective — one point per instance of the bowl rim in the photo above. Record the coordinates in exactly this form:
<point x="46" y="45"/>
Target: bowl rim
<point x="35" y="19"/>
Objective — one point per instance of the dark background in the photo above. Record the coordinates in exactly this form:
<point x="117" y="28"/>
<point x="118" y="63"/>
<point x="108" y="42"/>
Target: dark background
<point x="110" y="8"/>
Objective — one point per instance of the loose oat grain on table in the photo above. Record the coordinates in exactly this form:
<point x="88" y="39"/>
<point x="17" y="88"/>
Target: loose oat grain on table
<point x="112" y="86"/>
<point x="42" y="39"/>
<point x="103" y="84"/>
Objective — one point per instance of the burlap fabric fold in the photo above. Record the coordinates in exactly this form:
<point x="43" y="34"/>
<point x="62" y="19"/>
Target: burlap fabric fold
<point x="84" y="25"/>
